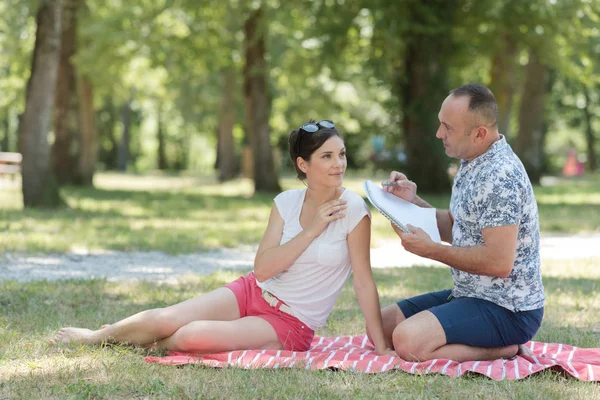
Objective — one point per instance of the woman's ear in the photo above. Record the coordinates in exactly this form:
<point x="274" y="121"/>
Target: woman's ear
<point x="301" y="164"/>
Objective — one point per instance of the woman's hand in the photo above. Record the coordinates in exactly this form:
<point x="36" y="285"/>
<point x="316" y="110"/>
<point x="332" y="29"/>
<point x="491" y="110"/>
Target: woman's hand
<point x="330" y="211"/>
<point x="400" y="186"/>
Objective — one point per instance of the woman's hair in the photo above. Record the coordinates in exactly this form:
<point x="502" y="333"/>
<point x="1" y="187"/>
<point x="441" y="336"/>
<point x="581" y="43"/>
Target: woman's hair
<point x="304" y="144"/>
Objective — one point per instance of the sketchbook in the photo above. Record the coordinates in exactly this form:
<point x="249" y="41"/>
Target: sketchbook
<point x="401" y="212"/>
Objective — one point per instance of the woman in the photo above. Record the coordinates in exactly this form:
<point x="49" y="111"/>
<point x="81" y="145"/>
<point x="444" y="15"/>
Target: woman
<point x="314" y="239"/>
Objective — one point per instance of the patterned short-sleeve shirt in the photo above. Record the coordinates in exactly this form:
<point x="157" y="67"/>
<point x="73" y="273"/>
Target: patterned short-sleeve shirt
<point x="494" y="190"/>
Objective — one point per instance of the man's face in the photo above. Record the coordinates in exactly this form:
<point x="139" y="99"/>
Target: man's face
<point x="454" y="130"/>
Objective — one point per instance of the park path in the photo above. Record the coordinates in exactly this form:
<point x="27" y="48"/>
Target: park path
<point x="161" y="267"/>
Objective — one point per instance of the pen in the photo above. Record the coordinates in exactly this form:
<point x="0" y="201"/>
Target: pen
<point x="388" y="183"/>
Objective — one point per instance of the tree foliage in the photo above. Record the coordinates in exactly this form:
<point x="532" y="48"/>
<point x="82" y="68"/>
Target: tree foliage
<point x="379" y="68"/>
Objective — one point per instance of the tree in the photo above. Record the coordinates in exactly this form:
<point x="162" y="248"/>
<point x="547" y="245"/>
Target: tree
<point x="421" y="82"/>
<point x="529" y="143"/>
<point x="16" y="46"/>
<point x="67" y="145"/>
<point x="160" y="135"/>
<point x="88" y="137"/>
<point x="226" y="160"/>
<point x="257" y="107"/>
<point x="504" y="79"/>
<point x="590" y="139"/>
<point x="124" y="144"/>
<point x="39" y="185"/>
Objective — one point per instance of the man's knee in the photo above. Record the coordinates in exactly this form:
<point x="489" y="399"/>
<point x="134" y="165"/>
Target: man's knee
<point x="418" y="337"/>
<point x="407" y="343"/>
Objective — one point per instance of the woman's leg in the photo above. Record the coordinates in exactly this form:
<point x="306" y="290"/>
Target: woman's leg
<point x="153" y="325"/>
<point x="216" y="336"/>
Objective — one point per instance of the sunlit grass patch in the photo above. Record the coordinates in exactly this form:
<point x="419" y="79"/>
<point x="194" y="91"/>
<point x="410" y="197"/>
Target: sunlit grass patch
<point x="183" y="214"/>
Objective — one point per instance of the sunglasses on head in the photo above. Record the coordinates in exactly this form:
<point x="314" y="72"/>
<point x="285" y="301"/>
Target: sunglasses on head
<point x="312" y="127"/>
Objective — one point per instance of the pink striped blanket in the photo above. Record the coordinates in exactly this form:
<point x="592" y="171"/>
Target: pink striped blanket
<point x="355" y="353"/>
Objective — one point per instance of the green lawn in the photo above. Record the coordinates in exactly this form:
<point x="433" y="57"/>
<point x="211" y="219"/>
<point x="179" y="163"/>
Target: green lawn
<point x="189" y="214"/>
<point x="186" y="214"/>
<point x="32" y="312"/>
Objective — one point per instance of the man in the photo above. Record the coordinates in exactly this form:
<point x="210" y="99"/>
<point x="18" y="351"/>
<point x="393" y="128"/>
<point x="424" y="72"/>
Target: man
<point x="498" y="297"/>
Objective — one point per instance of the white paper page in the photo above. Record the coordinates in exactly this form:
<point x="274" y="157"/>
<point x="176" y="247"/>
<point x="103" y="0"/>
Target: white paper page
<point x="403" y="211"/>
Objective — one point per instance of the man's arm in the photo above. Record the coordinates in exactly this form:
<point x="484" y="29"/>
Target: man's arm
<point x="495" y="257"/>
<point x="444" y="219"/>
<point x="399" y="185"/>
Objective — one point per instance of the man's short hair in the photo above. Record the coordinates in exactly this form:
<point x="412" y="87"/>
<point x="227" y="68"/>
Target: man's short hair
<point x="481" y="101"/>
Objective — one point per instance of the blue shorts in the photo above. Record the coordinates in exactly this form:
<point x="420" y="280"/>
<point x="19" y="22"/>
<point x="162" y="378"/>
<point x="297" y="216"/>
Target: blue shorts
<point x="475" y="322"/>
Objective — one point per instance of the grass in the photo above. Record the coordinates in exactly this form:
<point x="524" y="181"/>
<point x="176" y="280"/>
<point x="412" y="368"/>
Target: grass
<point x="187" y="214"/>
<point x="32" y="312"/>
<point x="183" y="214"/>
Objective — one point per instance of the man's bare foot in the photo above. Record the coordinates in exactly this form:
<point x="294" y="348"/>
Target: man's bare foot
<point x="75" y="335"/>
<point x="524" y="351"/>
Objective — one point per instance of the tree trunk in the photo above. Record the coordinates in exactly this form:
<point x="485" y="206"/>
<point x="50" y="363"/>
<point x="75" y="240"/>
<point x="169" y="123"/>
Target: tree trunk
<point x="422" y="86"/>
<point x="504" y="79"/>
<point x="183" y="146"/>
<point x="5" y="146"/>
<point x="123" y="154"/>
<point x="257" y="103"/>
<point x="592" y="160"/>
<point x="162" y="158"/>
<point x="66" y="147"/>
<point x="226" y="160"/>
<point x="529" y="144"/>
<point x="89" y="143"/>
<point x="39" y="185"/>
<point x="106" y="133"/>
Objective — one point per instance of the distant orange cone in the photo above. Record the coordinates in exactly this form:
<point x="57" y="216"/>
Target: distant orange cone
<point x="572" y="167"/>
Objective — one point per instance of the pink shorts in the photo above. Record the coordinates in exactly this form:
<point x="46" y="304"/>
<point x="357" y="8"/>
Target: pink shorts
<point x="293" y="334"/>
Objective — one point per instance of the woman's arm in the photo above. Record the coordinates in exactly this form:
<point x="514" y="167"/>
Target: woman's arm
<point x="273" y="258"/>
<point x="359" y="244"/>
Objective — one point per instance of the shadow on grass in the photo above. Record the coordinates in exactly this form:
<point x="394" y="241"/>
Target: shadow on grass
<point x="114" y="203"/>
<point x="174" y="222"/>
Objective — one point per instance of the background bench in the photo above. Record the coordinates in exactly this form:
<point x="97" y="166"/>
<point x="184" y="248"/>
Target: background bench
<point x="10" y="163"/>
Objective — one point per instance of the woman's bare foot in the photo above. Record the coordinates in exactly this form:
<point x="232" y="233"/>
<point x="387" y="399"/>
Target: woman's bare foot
<point x="154" y="346"/>
<point x="75" y="335"/>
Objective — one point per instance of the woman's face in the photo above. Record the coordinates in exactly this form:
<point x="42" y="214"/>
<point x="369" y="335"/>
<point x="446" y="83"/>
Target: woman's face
<point x="327" y="164"/>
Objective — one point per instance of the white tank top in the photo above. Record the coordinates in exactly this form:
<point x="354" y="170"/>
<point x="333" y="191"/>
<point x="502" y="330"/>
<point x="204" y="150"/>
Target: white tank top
<point x="313" y="283"/>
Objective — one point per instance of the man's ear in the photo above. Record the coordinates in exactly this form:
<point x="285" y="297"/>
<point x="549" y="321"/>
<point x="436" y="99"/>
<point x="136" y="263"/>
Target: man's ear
<point x="481" y="133"/>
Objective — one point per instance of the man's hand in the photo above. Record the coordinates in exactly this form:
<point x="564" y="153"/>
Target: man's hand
<point x="400" y="186"/>
<point x="417" y="242"/>
<point x="386" y="352"/>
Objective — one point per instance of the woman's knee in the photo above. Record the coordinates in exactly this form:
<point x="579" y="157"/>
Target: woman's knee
<point x="187" y="337"/>
<point x="163" y="320"/>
